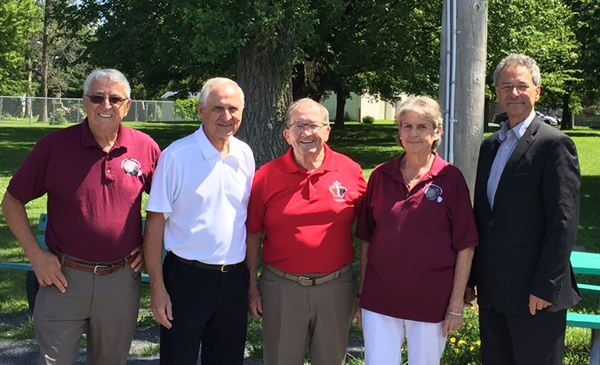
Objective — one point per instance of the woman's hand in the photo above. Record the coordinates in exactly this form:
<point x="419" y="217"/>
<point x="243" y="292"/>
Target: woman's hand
<point x="453" y="320"/>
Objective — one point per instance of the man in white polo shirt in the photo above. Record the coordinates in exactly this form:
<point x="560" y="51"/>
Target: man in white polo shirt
<point x="199" y="205"/>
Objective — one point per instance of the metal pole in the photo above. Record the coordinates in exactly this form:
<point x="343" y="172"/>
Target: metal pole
<point x="464" y="87"/>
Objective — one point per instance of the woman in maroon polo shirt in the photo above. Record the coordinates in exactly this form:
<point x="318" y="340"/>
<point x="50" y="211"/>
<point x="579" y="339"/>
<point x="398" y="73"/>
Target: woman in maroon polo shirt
<point x="418" y="235"/>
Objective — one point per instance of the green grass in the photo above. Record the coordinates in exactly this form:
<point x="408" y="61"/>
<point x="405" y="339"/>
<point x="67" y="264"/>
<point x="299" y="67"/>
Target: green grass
<point x="368" y="144"/>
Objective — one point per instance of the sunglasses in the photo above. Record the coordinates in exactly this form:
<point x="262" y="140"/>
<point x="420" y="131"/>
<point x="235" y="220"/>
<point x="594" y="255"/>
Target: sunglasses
<point x="99" y="99"/>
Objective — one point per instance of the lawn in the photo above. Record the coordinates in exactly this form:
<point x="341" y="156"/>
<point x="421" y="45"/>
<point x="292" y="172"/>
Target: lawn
<point x="368" y="144"/>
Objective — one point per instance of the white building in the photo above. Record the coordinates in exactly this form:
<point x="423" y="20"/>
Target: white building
<point x="358" y="107"/>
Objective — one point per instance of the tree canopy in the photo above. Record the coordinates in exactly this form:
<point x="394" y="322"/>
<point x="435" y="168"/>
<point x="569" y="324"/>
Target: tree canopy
<point x="280" y="50"/>
<point x="20" y="20"/>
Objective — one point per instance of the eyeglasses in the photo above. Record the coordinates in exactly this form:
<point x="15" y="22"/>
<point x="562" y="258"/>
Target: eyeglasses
<point x="300" y="127"/>
<point x="99" y="99"/>
<point x="509" y="88"/>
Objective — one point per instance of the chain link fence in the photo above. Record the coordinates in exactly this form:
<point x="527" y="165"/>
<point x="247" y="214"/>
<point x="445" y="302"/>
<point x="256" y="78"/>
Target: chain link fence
<point x="67" y="110"/>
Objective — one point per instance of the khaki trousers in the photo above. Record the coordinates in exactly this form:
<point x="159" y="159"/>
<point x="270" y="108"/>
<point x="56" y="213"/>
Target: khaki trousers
<point x="103" y="306"/>
<point x="294" y="315"/>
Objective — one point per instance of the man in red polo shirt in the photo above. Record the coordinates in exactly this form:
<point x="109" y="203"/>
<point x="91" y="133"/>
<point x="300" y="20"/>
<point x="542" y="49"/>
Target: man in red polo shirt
<point x="94" y="174"/>
<point x="305" y="204"/>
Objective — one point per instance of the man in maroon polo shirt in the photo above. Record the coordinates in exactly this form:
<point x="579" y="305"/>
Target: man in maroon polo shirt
<point x="94" y="174"/>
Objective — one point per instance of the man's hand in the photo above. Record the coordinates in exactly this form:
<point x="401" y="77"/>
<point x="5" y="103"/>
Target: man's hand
<point x="470" y="296"/>
<point x="254" y="302"/>
<point x="47" y="269"/>
<point x="138" y="263"/>
<point x="358" y="316"/>
<point x="536" y="304"/>
<point x="161" y="307"/>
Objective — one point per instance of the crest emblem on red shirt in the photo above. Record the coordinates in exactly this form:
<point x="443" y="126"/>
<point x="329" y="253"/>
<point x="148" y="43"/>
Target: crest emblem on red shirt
<point x="132" y="167"/>
<point x="338" y="191"/>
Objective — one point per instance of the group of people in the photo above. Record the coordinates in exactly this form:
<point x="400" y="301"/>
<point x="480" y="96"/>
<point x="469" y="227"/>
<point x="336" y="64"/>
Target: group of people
<point x="426" y="252"/>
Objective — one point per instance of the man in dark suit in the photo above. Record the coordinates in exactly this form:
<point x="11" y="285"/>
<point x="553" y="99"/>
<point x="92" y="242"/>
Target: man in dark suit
<point x="526" y="211"/>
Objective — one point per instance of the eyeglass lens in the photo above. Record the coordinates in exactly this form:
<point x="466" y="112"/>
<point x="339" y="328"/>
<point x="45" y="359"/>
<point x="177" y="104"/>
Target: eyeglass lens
<point x="299" y="128"/>
<point x="97" y="99"/>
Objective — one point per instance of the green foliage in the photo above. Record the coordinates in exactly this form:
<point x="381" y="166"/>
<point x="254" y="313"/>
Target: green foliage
<point x="586" y="25"/>
<point x="540" y="29"/>
<point x="58" y="117"/>
<point x="186" y="109"/>
<point x="368" y="119"/>
<point x="19" y="20"/>
<point x="463" y="347"/>
<point x="24" y="332"/>
<point x="150" y="350"/>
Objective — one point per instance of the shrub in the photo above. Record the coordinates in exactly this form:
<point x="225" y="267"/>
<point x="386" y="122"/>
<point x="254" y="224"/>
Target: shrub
<point x="58" y="117"/>
<point x="368" y="119"/>
<point x="186" y="109"/>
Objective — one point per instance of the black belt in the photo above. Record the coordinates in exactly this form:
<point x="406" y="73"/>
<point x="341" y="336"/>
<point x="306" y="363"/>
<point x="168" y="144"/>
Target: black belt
<point x="202" y="265"/>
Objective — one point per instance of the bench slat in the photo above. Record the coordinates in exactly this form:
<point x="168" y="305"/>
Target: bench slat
<point x="588" y="289"/>
<point x="583" y="320"/>
<point x="16" y="266"/>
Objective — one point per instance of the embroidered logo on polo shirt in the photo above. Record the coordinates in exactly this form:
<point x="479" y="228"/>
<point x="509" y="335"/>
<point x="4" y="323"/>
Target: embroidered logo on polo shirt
<point x="433" y="192"/>
<point x="132" y="167"/>
<point x="338" y="191"/>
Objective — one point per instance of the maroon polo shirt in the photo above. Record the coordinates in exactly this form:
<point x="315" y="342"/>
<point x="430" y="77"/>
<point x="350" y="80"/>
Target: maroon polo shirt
<point x="94" y="197"/>
<point x="414" y="238"/>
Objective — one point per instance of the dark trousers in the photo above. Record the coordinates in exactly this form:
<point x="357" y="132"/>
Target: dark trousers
<point x="522" y="339"/>
<point x="209" y="307"/>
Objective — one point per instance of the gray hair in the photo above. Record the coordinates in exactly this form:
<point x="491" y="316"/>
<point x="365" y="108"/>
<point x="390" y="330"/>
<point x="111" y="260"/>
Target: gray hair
<point x="216" y="81"/>
<point x="427" y="108"/>
<point x="516" y="59"/>
<point x="295" y="104"/>
<point x="110" y="73"/>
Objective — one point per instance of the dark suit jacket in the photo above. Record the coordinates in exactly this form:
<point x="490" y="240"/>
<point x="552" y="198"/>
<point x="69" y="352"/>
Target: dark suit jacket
<point x="527" y="238"/>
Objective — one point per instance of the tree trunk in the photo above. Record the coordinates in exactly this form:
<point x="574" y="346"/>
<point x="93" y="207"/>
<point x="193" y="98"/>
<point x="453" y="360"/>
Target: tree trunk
<point x="567" y="116"/>
<point x="487" y="116"/>
<point x="465" y="132"/>
<point x="264" y="73"/>
<point x="45" y="67"/>
<point x="340" y="106"/>
<point x="28" y="113"/>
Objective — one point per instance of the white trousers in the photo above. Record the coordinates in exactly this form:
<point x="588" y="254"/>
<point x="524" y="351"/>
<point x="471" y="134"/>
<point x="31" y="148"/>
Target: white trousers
<point x="384" y="336"/>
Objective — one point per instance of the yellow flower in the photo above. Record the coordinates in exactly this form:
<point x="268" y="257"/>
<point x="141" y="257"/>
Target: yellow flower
<point x="478" y="343"/>
<point x="461" y="342"/>
<point x="453" y="339"/>
<point x="456" y="351"/>
<point x="472" y="348"/>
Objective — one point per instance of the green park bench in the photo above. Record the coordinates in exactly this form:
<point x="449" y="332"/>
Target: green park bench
<point x="32" y="284"/>
<point x="591" y="321"/>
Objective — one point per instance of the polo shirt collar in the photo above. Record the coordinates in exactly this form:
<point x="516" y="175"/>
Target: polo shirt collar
<point x="392" y="169"/>
<point x="88" y="140"/>
<point x="290" y="166"/>
<point x="209" y="151"/>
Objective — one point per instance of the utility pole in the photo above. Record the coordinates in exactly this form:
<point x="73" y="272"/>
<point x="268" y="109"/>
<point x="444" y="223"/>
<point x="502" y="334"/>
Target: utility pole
<point x="462" y="83"/>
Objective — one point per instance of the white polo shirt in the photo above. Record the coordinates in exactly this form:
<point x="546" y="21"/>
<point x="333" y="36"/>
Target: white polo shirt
<point x="204" y="198"/>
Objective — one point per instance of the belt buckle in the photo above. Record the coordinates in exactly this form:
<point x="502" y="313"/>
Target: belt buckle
<point x="96" y="267"/>
<point x="306" y="281"/>
<point x="225" y="269"/>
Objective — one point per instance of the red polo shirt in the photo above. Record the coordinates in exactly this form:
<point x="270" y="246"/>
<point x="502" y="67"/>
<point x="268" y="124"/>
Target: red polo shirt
<point x="94" y="198"/>
<point x="414" y="238"/>
<point x="307" y="216"/>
